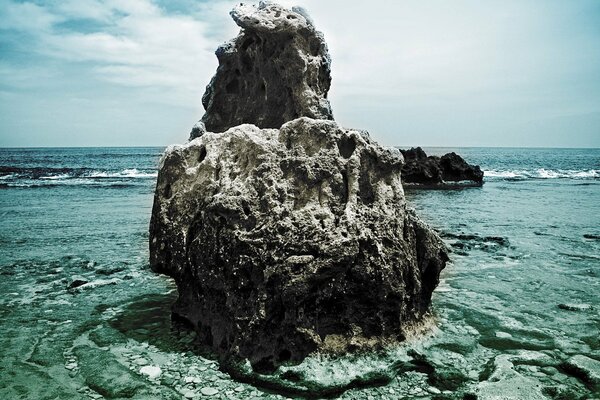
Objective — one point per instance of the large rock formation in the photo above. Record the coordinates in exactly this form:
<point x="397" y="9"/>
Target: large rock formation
<point x="276" y="70"/>
<point x="427" y="170"/>
<point x="286" y="241"/>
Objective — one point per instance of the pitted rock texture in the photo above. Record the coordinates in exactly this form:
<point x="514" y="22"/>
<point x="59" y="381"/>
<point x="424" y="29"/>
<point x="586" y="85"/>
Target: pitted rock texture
<point x="283" y="242"/>
<point x="433" y="170"/>
<point x="277" y="69"/>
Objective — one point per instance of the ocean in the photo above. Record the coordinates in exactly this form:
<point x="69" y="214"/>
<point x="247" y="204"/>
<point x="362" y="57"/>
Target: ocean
<point x="82" y="316"/>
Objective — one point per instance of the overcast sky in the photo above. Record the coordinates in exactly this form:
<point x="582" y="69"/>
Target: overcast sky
<point x="422" y="72"/>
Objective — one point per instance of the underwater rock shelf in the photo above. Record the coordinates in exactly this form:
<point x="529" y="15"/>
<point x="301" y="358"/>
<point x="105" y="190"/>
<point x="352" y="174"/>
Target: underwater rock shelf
<point x="285" y="233"/>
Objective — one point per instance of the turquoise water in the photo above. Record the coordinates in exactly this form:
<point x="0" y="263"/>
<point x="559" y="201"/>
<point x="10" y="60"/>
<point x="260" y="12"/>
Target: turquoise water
<point x="523" y="244"/>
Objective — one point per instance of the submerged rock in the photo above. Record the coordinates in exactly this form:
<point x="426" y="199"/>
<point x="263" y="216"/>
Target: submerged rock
<point x="575" y="307"/>
<point x="287" y="241"/>
<point x="433" y="170"/>
<point x="105" y="375"/>
<point x="516" y="387"/>
<point x="585" y="368"/>
<point x="76" y="281"/>
<point x="85" y="285"/>
<point x="276" y="70"/>
<point x="505" y="383"/>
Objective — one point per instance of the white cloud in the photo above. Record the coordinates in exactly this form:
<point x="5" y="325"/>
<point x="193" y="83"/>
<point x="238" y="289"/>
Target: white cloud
<point x="26" y="17"/>
<point x="84" y="9"/>
<point x="139" y="45"/>
<point x="464" y="66"/>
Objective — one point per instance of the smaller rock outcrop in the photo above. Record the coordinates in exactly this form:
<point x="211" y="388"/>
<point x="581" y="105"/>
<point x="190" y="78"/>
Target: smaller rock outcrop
<point x="419" y="168"/>
<point x="277" y="69"/>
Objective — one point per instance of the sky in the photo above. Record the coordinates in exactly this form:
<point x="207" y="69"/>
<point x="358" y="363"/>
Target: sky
<point x="455" y="73"/>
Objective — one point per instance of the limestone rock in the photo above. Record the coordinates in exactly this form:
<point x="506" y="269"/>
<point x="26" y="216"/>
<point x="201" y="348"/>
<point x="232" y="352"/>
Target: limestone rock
<point x="276" y="70"/>
<point x="282" y="241"/>
<point x="284" y="232"/>
<point x="432" y="170"/>
<point x="505" y="383"/>
<point x="585" y="368"/>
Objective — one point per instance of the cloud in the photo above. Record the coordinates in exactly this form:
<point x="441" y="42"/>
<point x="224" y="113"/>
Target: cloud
<point x="435" y="72"/>
<point x="26" y="17"/>
<point x="137" y="43"/>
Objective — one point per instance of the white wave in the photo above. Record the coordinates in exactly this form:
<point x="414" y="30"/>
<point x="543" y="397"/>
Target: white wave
<point x="56" y="177"/>
<point x="126" y="173"/>
<point x="134" y="173"/>
<point x="9" y="176"/>
<point x="65" y="182"/>
<point x="99" y="174"/>
<point x="543" y="173"/>
<point x="504" y="174"/>
<point x="548" y="174"/>
<point x="593" y="173"/>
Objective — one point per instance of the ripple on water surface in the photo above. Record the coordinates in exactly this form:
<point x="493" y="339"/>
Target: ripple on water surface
<point x="516" y="312"/>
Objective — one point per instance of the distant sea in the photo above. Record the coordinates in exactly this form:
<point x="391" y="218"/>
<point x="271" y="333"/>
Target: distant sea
<point x="524" y="272"/>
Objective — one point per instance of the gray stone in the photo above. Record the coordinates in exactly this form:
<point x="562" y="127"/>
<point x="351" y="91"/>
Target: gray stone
<point x="276" y="70"/>
<point x="192" y="379"/>
<point x="189" y="394"/>
<point x="152" y="371"/>
<point x="209" y="391"/>
<point x="71" y="366"/>
<point x="434" y="390"/>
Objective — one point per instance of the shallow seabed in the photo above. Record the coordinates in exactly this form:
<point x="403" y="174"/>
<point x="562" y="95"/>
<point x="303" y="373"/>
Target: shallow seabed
<point x="516" y="312"/>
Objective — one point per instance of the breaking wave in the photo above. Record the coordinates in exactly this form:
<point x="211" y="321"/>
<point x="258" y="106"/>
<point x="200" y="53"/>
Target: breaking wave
<point x="38" y="177"/>
<point x="542" y="173"/>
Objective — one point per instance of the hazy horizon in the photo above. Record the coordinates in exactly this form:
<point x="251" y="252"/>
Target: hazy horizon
<point x="398" y="146"/>
<point x="94" y="73"/>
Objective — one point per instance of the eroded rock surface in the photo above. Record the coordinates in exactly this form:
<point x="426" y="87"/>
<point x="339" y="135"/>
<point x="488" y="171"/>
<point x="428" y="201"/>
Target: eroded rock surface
<point x="290" y="234"/>
<point x="287" y="241"/>
<point x="422" y="169"/>
<point x="276" y="70"/>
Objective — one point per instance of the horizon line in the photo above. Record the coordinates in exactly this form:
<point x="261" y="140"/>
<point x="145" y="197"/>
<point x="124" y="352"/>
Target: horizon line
<point x="396" y="146"/>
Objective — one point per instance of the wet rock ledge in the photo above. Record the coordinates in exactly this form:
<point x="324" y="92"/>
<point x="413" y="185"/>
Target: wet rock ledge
<point x="285" y="233"/>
